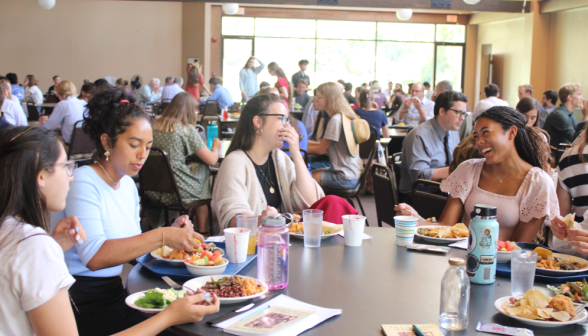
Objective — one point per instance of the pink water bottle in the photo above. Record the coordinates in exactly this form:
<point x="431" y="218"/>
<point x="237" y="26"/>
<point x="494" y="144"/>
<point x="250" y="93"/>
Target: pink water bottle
<point x="273" y="241"/>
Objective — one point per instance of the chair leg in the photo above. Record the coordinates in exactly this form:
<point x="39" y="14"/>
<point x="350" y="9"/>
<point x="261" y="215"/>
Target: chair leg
<point x="363" y="212"/>
<point x="350" y="201"/>
<point x="210" y="224"/>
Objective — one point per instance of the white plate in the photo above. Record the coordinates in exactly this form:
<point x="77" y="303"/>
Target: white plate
<point x="564" y="273"/>
<point x="301" y="235"/>
<point x="503" y="257"/>
<point x="581" y="316"/>
<point x="130" y="301"/>
<point x="201" y="281"/>
<point x="433" y="239"/>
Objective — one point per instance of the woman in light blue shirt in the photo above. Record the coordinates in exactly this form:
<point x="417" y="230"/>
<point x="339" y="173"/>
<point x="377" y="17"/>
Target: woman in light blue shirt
<point x="67" y="112"/>
<point x="104" y="198"/>
<point x="248" y="78"/>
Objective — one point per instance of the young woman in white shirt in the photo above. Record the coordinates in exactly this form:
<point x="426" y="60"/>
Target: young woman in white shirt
<point x="33" y="91"/>
<point x="35" y="280"/>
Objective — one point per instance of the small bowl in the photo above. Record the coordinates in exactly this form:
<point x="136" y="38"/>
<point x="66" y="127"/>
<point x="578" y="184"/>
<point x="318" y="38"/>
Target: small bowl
<point x="503" y="257"/>
<point x="207" y="270"/>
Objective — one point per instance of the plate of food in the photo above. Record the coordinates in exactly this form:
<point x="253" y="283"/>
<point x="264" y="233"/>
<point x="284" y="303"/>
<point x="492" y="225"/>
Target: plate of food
<point x="231" y="288"/>
<point x="154" y="300"/>
<point x="328" y="230"/>
<point x="442" y="234"/>
<point x="537" y="309"/>
<point x="575" y="290"/>
<point x="550" y="263"/>
<point x="170" y="255"/>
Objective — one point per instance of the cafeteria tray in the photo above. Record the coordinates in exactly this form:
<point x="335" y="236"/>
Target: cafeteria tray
<point x="179" y="270"/>
<point x="504" y="269"/>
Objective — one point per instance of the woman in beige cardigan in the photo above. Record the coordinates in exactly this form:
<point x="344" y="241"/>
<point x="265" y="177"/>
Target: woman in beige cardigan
<point x="256" y="177"/>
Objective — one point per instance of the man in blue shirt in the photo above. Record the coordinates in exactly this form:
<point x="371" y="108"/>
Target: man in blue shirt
<point x="17" y="90"/>
<point x="148" y="93"/>
<point x="219" y="93"/>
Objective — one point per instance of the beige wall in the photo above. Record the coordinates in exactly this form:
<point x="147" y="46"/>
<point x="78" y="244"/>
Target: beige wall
<point x="511" y="63"/>
<point x="568" y="49"/>
<point x="80" y="39"/>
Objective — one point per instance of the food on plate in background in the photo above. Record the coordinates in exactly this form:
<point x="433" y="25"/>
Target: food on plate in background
<point x="459" y="230"/>
<point x="575" y="290"/>
<point x="327" y="228"/>
<point x="537" y="306"/>
<point x="507" y="246"/>
<point x="546" y="260"/>
<point x="159" y="298"/>
<point x="233" y="286"/>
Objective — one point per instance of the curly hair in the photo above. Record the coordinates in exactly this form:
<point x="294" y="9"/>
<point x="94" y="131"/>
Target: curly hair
<point x="108" y="114"/>
<point x="529" y="141"/>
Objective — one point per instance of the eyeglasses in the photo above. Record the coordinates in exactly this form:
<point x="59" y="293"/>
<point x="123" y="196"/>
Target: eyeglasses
<point x="69" y="166"/>
<point x="285" y="119"/>
<point x="459" y="113"/>
<point x="317" y="97"/>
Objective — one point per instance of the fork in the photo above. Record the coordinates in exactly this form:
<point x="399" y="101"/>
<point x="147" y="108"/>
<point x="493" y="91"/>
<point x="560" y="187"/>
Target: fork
<point x="177" y="287"/>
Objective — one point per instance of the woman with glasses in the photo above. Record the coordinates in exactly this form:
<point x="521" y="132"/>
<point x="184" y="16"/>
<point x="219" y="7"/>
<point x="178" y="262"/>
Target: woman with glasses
<point x="257" y="177"/>
<point x="512" y="175"/>
<point x="104" y="198"/>
<point x="35" y="279"/>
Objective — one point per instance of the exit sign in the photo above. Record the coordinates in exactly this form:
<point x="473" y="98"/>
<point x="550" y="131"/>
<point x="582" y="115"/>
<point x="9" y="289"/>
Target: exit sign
<point x="452" y="18"/>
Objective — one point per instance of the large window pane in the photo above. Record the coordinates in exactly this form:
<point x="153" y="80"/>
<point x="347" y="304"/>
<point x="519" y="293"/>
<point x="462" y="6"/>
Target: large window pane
<point x="287" y="52"/>
<point x="232" y="25"/>
<point x="394" y="31"/>
<point x="347" y="30"/>
<point x="236" y="53"/>
<point x="448" y="66"/>
<point x="352" y="61"/>
<point x="450" y="33"/>
<point x="285" y="28"/>
<point x="404" y="63"/>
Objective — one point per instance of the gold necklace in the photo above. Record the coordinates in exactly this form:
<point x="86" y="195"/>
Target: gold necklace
<point x="104" y="170"/>
<point x="502" y="179"/>
<point x="272" y="190"/>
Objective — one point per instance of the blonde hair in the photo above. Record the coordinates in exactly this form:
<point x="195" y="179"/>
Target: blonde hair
<point x="336" y="102"/>
<point x="182" y="109"/>
<point x="66" y="89"/>
<point x="568" y="89"/>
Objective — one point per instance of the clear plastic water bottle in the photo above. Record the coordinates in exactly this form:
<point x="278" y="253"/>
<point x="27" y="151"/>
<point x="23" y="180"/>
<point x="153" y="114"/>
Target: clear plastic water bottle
<point x="273" y="241"/>
<point x="211" y="133"/>
<point x="455" y="297"/>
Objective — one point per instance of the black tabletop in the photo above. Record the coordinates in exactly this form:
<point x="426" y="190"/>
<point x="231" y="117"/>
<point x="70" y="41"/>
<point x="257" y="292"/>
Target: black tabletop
<point x="377" y="283"/>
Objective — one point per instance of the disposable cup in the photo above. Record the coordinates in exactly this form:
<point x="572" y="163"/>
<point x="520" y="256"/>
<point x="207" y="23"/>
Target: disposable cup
<point x="249" y="222"/>
<point x="236" y="242"/>
<point x="313" y="227"/>
<point x="405" y="229"/>
<point x="353" y="226"/>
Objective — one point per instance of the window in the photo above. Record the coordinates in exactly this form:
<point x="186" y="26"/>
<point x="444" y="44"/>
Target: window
<point x="241" y="26"/>
<point x="450" y="33"/>
<point x="403" y="62"/>
<point x="352" y="61"/>
<point x="287" y="52"/>
<point x="447" y="59"/>
<point x="285" y="28"/>
<point x="415" y="32"/>
<point x="346" y="30"/>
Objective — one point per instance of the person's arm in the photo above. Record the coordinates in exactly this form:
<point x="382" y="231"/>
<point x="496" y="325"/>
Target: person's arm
<point x="55" y="119"/>
<point x="565" y="200"/>
<point x="320" y="148"/>
<point x="55" y="317"/>
<point x="304" y="182"/>
<point x="420" y="109"/>
<point x="418" y="162"/>
<point x="215" y="95"/>
<point x="204" y="87"/>
<point x="210" y="157"/>
<point x="440" y="174"/>
<point x="283" y="92"/>
<point x="403" y="109"/>
<point x="451" y="213"/>
<point x="242" y="78"/>
<point x="563" y="126"/>
<point x="385" y="131"/>
<point x="525" y="232"/>
<point x="259" y="68"/>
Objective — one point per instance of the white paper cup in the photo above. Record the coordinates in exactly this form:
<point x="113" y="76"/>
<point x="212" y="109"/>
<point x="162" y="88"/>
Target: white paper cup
<point x="405" y="229"/>
<point x="236" y="242"/>
<point x="353" y="226"/>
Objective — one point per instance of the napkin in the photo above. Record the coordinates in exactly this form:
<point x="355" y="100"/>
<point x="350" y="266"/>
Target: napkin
<point x="462" y="244"/>
<point x="365" y="236"/>
<point x="216" y="239"/>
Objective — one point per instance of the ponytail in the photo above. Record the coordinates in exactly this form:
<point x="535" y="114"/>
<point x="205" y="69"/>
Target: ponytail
<point x="529" y="141"/>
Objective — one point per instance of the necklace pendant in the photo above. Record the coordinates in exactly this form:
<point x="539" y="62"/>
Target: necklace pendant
<point x="499" y="181"/>
<point x="272" y="190"/>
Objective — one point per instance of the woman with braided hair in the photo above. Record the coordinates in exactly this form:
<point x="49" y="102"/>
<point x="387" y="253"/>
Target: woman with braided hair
<point x="511" y="176"/>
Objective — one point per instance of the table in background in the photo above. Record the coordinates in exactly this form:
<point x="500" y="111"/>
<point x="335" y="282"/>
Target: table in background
<point x="377" y="283"/>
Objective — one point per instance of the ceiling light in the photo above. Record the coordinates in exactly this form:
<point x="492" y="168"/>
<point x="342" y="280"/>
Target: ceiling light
<point x="404" y="14"/>
<point x="471" y="2"/>
<point x="46" y="4"/>
<point x="230" y="8"/>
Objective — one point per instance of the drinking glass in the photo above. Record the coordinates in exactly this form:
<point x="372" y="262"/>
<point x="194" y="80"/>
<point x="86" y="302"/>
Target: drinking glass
<point x="249" y="222"/>
<point x="522" y="267"/>
<point x="313" y="226"/>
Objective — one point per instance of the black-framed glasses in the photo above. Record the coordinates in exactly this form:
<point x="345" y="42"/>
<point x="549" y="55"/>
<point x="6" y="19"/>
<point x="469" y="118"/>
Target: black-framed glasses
<point x="285" y="118"/>
<point x="69" y="166"/>
<point x="459" y="113"/>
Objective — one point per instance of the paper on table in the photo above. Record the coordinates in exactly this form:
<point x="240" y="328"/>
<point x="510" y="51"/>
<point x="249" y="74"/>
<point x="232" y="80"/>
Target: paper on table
<point x="462" y="244"/>
<point x="365" y="236"/>
<point x="282" y="300"/>
<point x="216" y="239"/>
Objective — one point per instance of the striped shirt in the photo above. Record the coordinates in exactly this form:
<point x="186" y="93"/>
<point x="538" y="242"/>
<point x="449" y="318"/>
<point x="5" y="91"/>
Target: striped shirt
<point x="573" y="178"/>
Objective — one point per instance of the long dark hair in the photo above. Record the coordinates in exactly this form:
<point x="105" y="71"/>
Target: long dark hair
<point x="528" y="104"/>
<point x="193" y="75"/>
<point x="24" y="153"/>
<point x="244" y="137"/>
<point x="107" y="114"/>
<point x="529" y="142"/>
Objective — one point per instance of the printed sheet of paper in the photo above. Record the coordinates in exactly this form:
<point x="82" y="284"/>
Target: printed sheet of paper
<point x="269" y="320"/>
<point x="406" y="329"/>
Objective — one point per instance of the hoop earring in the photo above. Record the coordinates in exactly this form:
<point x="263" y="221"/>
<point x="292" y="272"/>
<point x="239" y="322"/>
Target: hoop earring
<point x="107" y="154"/>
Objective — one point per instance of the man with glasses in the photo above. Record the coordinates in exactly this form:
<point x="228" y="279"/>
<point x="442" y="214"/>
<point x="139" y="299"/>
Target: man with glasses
<point x="417" y="109"/>
<point x="427" y="150"/>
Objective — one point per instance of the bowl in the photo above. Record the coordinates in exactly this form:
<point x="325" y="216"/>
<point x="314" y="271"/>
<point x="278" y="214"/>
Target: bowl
<point x="207" y="270"/>
<point x="503" y="257"/>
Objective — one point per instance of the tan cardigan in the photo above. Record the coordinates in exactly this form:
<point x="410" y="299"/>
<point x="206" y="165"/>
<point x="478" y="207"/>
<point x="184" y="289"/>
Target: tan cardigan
<point x="237" y="190"/>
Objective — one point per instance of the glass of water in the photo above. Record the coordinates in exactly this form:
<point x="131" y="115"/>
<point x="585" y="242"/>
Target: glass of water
<point x="522" y="267"/>
<point x="313" y="227"/>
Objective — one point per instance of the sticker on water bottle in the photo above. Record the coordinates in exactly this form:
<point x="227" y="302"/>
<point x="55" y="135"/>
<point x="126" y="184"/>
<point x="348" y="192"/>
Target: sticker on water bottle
<point x="487" y="271"/>
<point x="486" y="239"/>
<point x="487" y="259"/>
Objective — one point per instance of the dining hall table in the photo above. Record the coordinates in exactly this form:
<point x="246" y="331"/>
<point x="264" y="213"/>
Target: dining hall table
<point x="374" y="284"/>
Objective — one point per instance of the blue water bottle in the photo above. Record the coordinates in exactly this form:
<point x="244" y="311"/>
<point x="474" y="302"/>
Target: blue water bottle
<point x="211" y="133"/>
<point x="482" y="245"/>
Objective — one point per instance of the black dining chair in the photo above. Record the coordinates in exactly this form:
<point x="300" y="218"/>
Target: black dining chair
<point x="211" y="109"/>
<point x="157" y="176"/>
<point x="385" y="193"/>
<point x="33" y="112"/>
<point x="394" y="162"/>
<point x="80" y="143"/>
<point x="164" y="104"/>
<point x="427" y="198"/>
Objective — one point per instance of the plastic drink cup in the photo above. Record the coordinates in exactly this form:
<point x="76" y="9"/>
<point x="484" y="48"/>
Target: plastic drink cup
<point x="236" y="242"/>
<point x="313" y="226"/>
<point x="405" y="229"/>
<point x="522" y="276"/>
<point x="249" y="222"/>
<point x="353" y="226"/>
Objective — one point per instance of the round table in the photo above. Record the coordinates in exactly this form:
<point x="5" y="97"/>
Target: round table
<point x="377" y="283"/>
